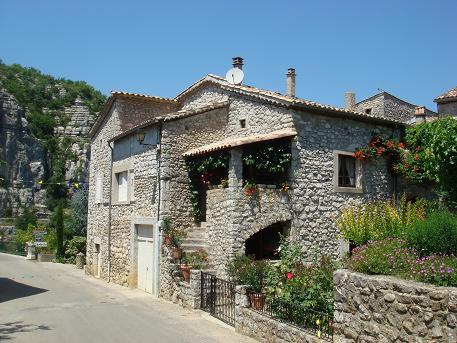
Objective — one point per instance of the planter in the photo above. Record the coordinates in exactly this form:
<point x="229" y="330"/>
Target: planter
<point x="176" y="253"/>
<point x="185" y="270"/>
<point x="43" y="257"/>
<point x="257" y="300"/>
<point x="167" y="240"/>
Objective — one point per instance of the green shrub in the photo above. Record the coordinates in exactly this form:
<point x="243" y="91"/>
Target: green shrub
<point x="74" y="246"/>
<point x="244" y="270"/>
<point x="196" y="259"/>
<point x="378" y="220"/>
<point x="390" y="256"/>
<point x="28" y="217"/>
<point x="437" y="234"/>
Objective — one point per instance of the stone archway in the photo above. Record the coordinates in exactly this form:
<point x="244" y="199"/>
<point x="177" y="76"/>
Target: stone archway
<point x="264" y="244"/>
<point x="261" y="221"/>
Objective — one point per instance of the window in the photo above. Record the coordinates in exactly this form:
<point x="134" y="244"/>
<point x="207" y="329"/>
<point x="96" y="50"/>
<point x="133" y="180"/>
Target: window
<point x="346" y="171"/>
<point x="243" y="123"/>
<point x="122" y="186"/>
<point x="98" y="189"/>
<point x="132" y="184"/>
<point x="368" y="111"/>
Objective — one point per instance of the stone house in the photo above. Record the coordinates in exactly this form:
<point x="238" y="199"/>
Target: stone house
<point x="138" y="175"/>
<point x="447" y="103"/>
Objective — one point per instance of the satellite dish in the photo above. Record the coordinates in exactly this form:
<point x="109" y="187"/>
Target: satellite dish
<point x="234" y="76"/>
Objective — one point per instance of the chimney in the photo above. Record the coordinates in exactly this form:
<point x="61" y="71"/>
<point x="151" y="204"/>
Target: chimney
<point x="291" y="82"/>
<point x="237" y="62"/>
<point x="419" y="113"/>
<point x="349" y="101"/>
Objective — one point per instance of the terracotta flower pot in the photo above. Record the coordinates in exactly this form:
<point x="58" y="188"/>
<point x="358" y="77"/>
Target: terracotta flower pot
<point x="257" y="300"/>
<point x="176" y="253"/>
<point x="167" y="240"/>
<point x="185" y="270"/>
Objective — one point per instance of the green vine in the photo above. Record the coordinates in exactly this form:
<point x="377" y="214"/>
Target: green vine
<point x="267" y="161"/>
<point x="203" y="172"/>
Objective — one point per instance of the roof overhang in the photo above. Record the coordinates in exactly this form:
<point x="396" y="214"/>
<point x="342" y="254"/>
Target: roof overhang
<point x="240" y="141"/>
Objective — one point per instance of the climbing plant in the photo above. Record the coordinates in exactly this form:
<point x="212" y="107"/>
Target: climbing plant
<point x="203" y="173"/>
<point x="267" y="162"/>
<point x="428" y="154"/>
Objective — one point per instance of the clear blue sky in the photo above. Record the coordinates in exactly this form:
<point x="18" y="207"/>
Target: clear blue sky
<point x="406" y="47"/>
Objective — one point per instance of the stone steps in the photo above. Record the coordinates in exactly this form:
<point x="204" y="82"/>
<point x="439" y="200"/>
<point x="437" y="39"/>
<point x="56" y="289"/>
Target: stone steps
<point x="196" y="239"/>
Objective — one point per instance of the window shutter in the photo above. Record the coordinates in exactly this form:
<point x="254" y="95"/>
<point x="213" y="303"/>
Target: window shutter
<point x="123" y="187"/>
<point x="98" y="189"/>
<point x="132" y="185"/>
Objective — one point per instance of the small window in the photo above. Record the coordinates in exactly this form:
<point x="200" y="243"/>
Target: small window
<point x="98" y="189"/>
<point x="122" y="184"/>
<point x="243" y="123"/>
<point x="368" y="111"/>
<point x="346" y="171"/>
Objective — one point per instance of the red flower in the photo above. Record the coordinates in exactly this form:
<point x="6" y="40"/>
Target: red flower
<point x="415" y="169"/>
<point x="417" y="157"/>
<point x="401" y="145"/>
<point x="406" y="165"/>
<point x="289" y="275"/>
<point x="380" y="150"/>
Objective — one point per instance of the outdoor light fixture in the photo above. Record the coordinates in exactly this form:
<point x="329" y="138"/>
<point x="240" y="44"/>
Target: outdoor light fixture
<point x="140" y="136"/>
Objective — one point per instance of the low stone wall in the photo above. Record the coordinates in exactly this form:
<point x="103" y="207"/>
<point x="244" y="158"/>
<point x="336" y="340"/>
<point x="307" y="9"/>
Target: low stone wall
<point x="173" y="288"/>
<point x="387" y="309"/>
<point x="263" y="328"/>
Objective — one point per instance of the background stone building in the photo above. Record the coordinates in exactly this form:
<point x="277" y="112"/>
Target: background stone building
<point x="138" y="174"/>
<point x="447" y="103"/>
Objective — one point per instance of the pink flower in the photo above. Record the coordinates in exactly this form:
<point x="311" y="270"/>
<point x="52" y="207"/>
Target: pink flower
<point x="290" y="275"/>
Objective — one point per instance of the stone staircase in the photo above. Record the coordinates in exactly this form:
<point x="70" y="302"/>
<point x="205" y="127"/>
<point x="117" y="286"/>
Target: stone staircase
<point x="196" y="239"/>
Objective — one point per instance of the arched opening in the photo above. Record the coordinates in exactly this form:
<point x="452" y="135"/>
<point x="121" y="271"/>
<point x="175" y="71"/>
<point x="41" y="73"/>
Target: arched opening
<point x="263" y="245"/>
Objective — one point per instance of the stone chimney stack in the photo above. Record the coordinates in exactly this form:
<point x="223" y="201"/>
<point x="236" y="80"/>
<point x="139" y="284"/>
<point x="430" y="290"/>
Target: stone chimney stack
<point x="419" y="113"/>
<point x="349" y="101"/>
<point x="291" y="82"/>
<point x="237" y="62"/>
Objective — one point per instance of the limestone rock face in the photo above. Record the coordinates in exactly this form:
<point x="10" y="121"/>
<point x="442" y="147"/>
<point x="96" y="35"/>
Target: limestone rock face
<point x="24" y="157"/>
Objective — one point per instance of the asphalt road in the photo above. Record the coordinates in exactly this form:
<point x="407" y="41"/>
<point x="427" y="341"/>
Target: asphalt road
<point x="50" y="302"/>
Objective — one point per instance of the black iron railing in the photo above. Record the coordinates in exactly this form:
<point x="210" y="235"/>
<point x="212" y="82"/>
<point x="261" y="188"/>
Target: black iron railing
<point x="297" y="315"/>
<point x="218" y="298"/>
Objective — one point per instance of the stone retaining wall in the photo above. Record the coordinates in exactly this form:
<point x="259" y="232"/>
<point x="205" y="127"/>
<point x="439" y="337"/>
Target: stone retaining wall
<point x="173" y="288"/>
<point x="387" y="309"/>
<point x="263" y="328"/>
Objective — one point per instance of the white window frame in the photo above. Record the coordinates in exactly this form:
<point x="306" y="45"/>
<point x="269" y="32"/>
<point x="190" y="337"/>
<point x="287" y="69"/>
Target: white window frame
<point x="358" y="173"/>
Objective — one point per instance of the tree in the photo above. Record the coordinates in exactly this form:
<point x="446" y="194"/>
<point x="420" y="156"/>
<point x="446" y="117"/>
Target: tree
<point x="58" y="226"/>
<point x="78" y="213"/>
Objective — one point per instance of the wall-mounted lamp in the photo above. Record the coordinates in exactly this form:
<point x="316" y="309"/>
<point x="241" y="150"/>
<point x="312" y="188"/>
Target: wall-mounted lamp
<point x="140" y="136"/>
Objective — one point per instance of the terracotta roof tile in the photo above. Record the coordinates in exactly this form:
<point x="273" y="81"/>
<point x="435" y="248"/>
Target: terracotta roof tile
<point x="450" y="94"/>
<point x="141" y="96"/>
<point x="239" y="141"/>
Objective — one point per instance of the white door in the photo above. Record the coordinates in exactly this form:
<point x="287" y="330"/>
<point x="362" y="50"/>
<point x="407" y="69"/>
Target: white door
<point x="145" y="258"/>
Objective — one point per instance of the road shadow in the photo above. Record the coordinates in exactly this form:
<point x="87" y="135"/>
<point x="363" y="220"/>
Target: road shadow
<point x="10" y="290"/>
<point x="8" y="329"/>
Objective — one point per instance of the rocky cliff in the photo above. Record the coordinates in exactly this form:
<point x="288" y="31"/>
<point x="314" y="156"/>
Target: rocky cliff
<point x="44" y="124"/>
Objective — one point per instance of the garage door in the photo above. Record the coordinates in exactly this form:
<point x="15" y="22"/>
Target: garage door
<point x="145" y="257"/>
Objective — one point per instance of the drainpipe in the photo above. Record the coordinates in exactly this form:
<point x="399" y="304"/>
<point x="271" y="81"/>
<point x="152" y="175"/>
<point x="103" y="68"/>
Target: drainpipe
<point x="109" y="209"/>
<point x="158" y="241"/>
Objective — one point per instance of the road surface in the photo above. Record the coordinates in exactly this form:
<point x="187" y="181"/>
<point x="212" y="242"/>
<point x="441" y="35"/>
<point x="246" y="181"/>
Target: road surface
<point x="51" y="302"/>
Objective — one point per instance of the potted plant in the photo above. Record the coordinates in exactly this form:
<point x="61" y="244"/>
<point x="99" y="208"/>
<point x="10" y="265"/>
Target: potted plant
<point x="224" y="183"/>
<point x="165" y="227"/>
<point x="193" y="260"/>
<point x="176" y="237"/>
<point x="245" y="270"/>
<point x="250" y="188"/>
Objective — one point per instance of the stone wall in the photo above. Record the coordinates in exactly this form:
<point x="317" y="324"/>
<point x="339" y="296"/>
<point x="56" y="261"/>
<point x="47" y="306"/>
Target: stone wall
<point x="315" y="201"/>
<point x="232" y="217"/>
<point x="175" y="289"/>
<point x="387" y="309"/>
<point x="448" y="108"/>
<point x="265" y="329"/>
<point x="123" y="115"/>
<point x="385" y="105"/>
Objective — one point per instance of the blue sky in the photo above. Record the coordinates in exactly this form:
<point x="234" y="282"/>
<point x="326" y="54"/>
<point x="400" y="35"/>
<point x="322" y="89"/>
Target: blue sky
<point x="406" y="47"/>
